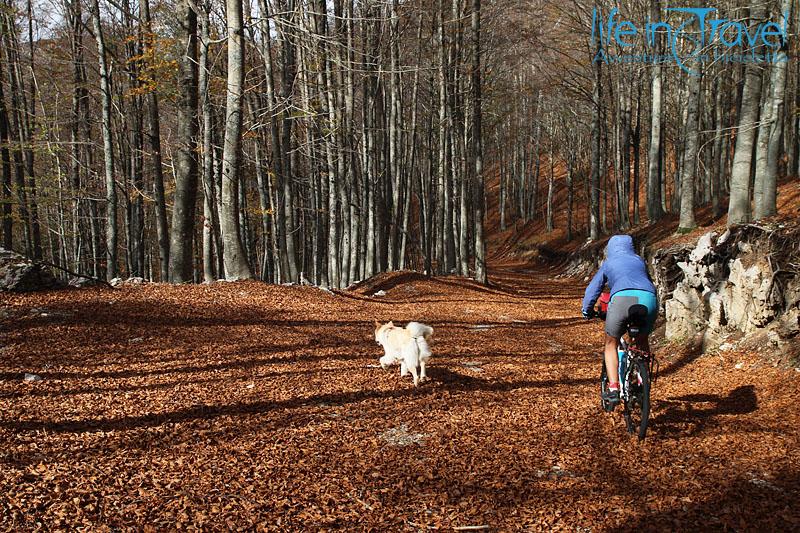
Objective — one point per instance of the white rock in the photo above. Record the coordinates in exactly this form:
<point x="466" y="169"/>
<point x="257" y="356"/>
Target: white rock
<point x="716" y="311"/>
<point x="380" y="293"/>
<point x="32" y="377"/>
<point x="685" y="312"/>
<point x="704" y="247"/>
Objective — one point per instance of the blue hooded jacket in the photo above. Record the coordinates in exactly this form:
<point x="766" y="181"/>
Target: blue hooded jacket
<point x="623" y="269"/>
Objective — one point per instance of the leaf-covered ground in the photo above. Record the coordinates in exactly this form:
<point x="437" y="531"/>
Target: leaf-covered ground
<point x="236" y="406"/>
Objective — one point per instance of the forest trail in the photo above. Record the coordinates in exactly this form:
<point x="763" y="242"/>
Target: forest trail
<point x="231" y="405"/>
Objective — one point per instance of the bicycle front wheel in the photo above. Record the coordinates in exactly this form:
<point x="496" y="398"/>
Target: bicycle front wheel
<point x="637" y="407"/>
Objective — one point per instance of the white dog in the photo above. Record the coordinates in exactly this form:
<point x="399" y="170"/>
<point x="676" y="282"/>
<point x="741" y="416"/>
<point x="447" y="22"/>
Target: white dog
<point x="407" y="346"/>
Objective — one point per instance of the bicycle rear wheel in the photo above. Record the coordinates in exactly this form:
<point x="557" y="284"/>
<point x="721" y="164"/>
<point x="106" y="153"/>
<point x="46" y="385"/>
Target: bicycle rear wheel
<point x="637" y="408"/>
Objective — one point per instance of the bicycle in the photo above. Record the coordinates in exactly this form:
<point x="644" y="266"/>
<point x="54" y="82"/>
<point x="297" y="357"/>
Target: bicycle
<point x="638" y="370"/>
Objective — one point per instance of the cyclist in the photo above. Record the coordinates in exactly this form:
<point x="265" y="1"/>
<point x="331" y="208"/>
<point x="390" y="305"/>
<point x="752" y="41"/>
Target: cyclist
<point x="629" y="284"/>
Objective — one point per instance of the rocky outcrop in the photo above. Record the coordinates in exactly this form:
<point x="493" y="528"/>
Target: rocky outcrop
<point x="664" y="268"/>
<point x="742" y="282"/>
<point x="19" y="274"/>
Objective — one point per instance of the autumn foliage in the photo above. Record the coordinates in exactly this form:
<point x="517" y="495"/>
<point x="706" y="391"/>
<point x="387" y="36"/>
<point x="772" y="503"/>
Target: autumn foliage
<point x="246" y="406"/>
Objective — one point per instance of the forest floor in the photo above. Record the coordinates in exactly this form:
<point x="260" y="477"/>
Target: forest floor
<point x="238" y="405"/>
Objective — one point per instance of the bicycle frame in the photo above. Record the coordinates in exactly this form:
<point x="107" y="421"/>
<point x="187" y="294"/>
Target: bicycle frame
<point x="633" y="354"/>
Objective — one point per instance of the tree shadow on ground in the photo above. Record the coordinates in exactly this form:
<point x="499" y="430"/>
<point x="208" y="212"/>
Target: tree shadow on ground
<point x="124" y="388"/>
<point x="689" y="355"/>
<point x="749" y="503"/>
<point x="443" y="379"/>
<point x="237" y="364"/>
<point x="683" y="418"/>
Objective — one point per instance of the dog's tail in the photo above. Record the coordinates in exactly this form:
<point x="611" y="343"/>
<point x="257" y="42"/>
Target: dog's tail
<point x="419" y="330"/>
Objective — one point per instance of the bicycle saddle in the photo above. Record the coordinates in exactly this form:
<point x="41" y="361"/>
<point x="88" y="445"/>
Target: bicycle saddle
<point x="637" y="318"/>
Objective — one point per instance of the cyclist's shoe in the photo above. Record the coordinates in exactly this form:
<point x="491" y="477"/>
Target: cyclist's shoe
<point x="610" y="399"/>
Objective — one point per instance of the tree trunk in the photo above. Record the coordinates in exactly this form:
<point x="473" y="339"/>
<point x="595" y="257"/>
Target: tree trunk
<point x="154" y="137"/>
<point x="654" y="176"/>
<point x="637" y="142"/>
<point x="5" y="158"/>
<point x="443" y="166"/>
<point x="687" y="220"/>
<point x="739" y="205"/>
<point x="719" y="126"/>
<point x="210" y="220"/>
<point x="477" y="146"/>
<point x="594" y="178"/>
<point x="394" y="133"/>
<point x="549" y="226"/>
<point x="776" y="100"/>
<point x="236" y="266"/>
<point x="625" y="158"/>
<point x="108" y="150"/>
<point x="287" y="88"/>
<point x="181" y="265"/>
<point x="570" y="192"/>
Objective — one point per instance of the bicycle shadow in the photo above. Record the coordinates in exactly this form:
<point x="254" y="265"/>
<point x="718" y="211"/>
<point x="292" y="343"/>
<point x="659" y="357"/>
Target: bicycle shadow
<point x="692" y="413"/>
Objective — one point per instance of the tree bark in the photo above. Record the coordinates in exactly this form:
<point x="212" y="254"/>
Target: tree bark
<point x="5" y="158"/>
<point x="739" y="204"/>
<point x="236" y="266"/>
<point x="594" y="178"/>
<point x="654" y="176"/>
<point x="154" y="137"/>
<point x="768" y="184"/>
<point x="186" y="168"/>
<point x="687" y="219"/>
<point x="108" y="150"/>
<point x="477" y="136"/>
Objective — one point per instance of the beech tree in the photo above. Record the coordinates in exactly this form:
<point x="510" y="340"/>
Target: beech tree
<point x="236" y="265"/>
<point x="332" y="141"/>
<point x="183" y="211"/>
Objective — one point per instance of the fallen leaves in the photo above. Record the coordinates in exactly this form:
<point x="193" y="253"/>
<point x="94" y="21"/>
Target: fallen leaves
<point x="250" y="407"/>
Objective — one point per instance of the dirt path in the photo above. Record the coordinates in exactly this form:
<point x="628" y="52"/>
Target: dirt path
<point x="243" y="404"/>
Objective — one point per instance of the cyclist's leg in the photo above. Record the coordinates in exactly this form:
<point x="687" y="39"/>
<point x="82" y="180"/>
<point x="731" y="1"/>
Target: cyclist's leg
<point x="650" y="301"/>
<point x="612" y="360"/>
<point x="616" y="321"/>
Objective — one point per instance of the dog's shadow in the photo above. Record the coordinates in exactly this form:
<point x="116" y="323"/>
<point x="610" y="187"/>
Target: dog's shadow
<point x="446" y="377"/>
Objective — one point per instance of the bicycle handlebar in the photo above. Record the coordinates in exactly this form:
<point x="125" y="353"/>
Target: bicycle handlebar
<point x="594" y="313"/>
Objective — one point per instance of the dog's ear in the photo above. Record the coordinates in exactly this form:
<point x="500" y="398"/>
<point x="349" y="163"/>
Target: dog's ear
<point x="391" y="324"/>
<point x="377" y="324"/>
